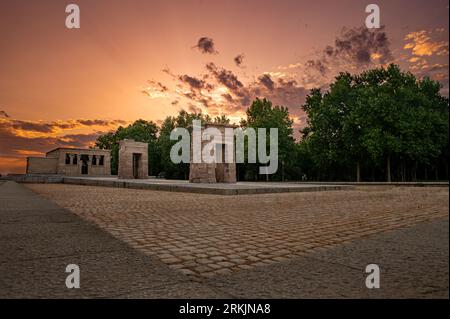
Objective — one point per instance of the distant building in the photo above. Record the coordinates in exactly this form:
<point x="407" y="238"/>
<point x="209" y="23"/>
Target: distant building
<point x="72" y="162"/>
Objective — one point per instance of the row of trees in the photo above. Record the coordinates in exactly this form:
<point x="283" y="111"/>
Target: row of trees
<point x="383" y="124"/>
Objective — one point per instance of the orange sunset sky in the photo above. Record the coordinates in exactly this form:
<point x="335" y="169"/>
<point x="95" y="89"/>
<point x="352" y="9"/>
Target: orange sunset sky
<point x="149" y="59"/>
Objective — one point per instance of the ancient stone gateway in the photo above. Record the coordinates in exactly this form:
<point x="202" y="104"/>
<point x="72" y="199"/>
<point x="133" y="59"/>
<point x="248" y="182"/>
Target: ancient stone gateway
<point x="133" y="159"/>
<point x="215" y="172"/>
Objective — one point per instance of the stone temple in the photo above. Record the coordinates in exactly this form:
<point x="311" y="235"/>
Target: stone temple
<point x="72" y="162"/>
<point x="133" y="161"/>
<point x="218" y="172"/>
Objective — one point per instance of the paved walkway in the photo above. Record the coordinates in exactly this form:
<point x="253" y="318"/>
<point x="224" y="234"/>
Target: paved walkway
<point x="38" y="239"/>
<point x="208" y="235"/>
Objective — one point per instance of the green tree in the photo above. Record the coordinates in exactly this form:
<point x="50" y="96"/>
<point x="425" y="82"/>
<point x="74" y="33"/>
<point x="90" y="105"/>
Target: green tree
<point x="383" y="115"/>
<point x="261" y="114"/>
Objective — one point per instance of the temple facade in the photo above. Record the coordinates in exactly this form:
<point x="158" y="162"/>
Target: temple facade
<point x="72" y="162"/>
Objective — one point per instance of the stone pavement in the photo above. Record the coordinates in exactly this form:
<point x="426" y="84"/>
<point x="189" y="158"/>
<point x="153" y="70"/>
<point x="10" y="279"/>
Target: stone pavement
<point x="38" y="239"/>
<point x="209" y="235"/>
<point x="413" y="262"/>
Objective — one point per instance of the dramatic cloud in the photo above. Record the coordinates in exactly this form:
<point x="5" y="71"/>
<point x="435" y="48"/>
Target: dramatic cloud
<point x="4" y="114"/>
<point x="239" y="59"/>
<point x="221" y="91"/>
<point x="225" y="77"/>
<point x="354" y="50"/>
<point x="12" y="144"/>
<point x="429" y="55"/>
<point x="206" y="46"/>
<point x="101" y="122"/>
<point x="19" y="138"/>
<point x="267" y="81"/>
<point x="362" y="46"/>
<point x="195" y="83"/>
<point x="421" y="44"/>
<point x="33" y="128"/>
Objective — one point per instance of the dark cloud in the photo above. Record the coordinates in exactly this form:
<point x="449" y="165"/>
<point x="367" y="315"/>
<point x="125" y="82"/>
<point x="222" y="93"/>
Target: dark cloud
<point x="267" y="81"/>
<point x="206" y="46"/>
<point x="55" y="126"/>
<point x="168" y="72"/>
<point x="359" y="45"/>
<point x="15" y="145"/>
<point x="154" y="87"/>
<point x="329" y="50"/>
<point x="317" y="65"/>
<point x="32" y="126"/>
<point x="239" y="59"/>
<point x="195" y="83"/>
<point x="101" y="122"/>
<point x="78" y="140"/>
<point x="158" y="85"/>
<point x="225" y="77"/>
<point x="205" y="92"/>
<point x="4" y="114"/>
<point x="354" y="50"/>
<point x="228" y="97"/>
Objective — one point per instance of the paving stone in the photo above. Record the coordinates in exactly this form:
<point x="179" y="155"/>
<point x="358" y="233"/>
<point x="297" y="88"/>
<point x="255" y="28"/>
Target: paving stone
<point x="188" y="229"/>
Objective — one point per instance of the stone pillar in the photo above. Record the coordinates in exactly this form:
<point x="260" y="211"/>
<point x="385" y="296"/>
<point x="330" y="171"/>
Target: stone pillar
<point x="129" y="152"/>
<point x="214" y="172"/>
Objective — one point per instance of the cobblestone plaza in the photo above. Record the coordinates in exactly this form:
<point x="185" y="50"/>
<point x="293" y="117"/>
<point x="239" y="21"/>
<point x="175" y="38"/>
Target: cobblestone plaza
<point x="205" y="235"/>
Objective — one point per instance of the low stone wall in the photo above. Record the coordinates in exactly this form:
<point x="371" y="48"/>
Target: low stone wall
<point x="189" y="188"/>
<point x="34" y="178"/>
<point x="220" y="189"/>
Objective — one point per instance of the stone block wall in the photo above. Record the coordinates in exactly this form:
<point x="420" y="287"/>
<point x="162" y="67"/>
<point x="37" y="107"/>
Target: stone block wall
<point x="212" y="172"/>
<point x="126" y="150"/>
<point x="55" y="162"/>
<point x="41" y="165"/>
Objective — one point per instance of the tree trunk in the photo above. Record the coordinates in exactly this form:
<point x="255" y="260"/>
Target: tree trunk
<point x="446" y="169"/>
<point x="358" y="172"/>
<point x="388" y="168"/>
<point x="402" y="170"/>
